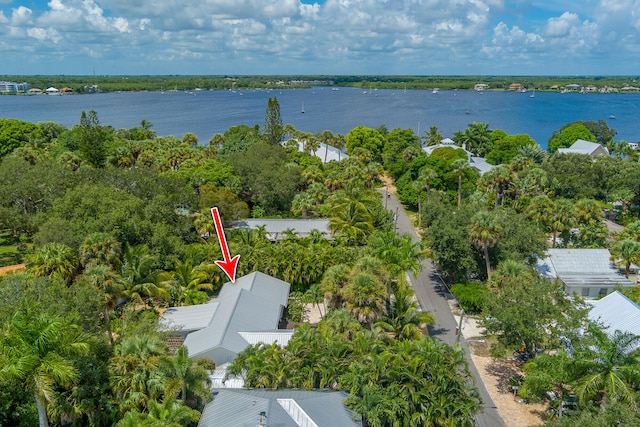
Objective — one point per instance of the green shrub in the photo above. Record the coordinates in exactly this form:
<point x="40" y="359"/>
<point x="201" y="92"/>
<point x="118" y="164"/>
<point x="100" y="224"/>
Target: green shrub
<point x="470" y="296"/>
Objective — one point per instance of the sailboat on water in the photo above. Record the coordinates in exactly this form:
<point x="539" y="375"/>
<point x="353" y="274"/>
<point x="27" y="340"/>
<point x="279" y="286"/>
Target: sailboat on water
<point x="302" y="111"/>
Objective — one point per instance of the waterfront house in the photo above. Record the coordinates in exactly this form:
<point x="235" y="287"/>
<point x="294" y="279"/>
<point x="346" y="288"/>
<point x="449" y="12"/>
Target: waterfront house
<point x="478" y="163"/>
<point x="589" y="148"/>
<point x="589" y="273"/>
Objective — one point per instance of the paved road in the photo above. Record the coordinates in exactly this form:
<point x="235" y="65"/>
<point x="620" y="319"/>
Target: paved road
<point x="433" y="295"/>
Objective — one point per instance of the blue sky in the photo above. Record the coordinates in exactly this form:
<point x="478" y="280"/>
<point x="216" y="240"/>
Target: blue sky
<point x="414" y="37"/>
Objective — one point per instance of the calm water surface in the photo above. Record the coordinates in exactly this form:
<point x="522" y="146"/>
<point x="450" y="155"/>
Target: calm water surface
<point x="206" y="113"/>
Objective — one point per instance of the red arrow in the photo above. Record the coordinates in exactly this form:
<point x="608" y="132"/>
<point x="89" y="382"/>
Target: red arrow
<point x="229" y="265"/>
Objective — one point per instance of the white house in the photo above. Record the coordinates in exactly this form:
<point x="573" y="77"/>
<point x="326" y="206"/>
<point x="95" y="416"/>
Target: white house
<point x="586" y="272"/>
<point x="581" y="146"/>
<point x="478" y="163"/>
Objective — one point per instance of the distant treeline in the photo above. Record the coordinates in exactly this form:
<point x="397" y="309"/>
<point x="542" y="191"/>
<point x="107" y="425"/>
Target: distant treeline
<point x="84" y="84"/>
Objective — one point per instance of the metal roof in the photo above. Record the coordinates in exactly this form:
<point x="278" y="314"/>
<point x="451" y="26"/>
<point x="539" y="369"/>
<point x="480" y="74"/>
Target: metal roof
<point x="581" y="267"/>
<point x="281" y="337"/>
<point x="189" y="318"/>
<point x="233" y="407"/>
<point x="253" y="303"/>
<point x="277" y="227"/>
<point x="617" y="312"/>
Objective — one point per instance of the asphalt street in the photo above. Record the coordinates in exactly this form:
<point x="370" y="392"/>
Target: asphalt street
<point x="433" y="296"/>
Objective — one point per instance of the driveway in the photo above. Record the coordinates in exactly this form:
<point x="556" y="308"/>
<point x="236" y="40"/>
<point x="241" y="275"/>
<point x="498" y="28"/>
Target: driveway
<point x="433" y="296"/>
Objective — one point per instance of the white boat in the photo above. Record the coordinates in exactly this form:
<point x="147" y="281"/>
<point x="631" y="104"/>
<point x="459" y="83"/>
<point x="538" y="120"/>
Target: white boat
<point x="302" y="111"/>
<point x="435" y="90"/>
<point x="533" y="94"/>
<point x="612" y="117"/>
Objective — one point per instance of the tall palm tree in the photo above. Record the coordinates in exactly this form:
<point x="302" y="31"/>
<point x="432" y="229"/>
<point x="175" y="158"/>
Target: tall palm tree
<point x="352" y="220"/>
<point x="100" y="249"/>
<point x="54" y="260"/>
<point x="460" y="166"/>
<point x="36" y="350"/>
<point x="625" y="252"/>
<point x="563" y="217"/>
<point x="333" y="284"/>
<point x="301" y="204"/>
<point x="187" y="379"/>
<point x="484" y="231"/>
<point x="135" y="374"/>
<point x="140" y="274"/>
<point x="607" y="367"/>
<point x="111" y="284"/>
<point x="365" y="296"/>
<point x="403" y="317"/>
<point x="433" y="136"/>
<point x="187" y="283"/>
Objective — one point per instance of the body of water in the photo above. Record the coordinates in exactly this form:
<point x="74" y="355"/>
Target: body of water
<point x="206" y="113"/>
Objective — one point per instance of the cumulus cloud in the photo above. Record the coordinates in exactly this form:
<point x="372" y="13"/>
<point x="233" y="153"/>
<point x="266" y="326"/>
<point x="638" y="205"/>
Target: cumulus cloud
<point x="351" y="36"/>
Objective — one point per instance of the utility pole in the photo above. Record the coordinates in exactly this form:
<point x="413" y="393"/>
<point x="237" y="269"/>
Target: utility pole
<point x="459" y="331"/>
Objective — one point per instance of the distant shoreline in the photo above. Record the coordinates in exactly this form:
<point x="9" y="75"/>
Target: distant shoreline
<point x="128" y="83"/>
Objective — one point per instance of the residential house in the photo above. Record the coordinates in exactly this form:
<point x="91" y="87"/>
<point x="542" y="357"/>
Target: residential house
<point x="325" y="152"/>
<point x="518" y="87"/>
<point x="589" y="148"/>
<point x="278" y="229"/>
<point x="616" y="312"/>
<point x="586" y="272"/>
<point x="13" y="87"/>
<point x="480" y="87"/>
<point x="282" y="408"/>
<point x="478" y="163"/>
<point x="246" y="312"/>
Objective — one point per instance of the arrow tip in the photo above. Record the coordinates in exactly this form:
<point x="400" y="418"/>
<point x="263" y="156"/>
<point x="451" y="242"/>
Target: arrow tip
<point x="230" y="267"/>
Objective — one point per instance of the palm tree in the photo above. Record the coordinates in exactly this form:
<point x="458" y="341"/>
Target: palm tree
<point x="36" y="350"/>
<point x="187" y="379"/>
<point x="484" y="231"/>
<point x="100" y="249"/>
<point x="365" y="296"/>
<point x="54" y="260"/>
<point x="460" y="166"/>
<point x="563" y="217"/>
<point x="140" y="275"/>
<point x="607" y="367"/>
<point x="334" y="281"/>
<point x="135" y="374"/>
<point x="169" y="413"/>
<point x="477" y="138"/>
<point x="433" y="136"/>
<point x="625" y="252"/>
<point x="111" y="284"/>
<point x="301" y="204"/>
<point x="187" y="283"/>
<point x="351" y="219"/>
<point x="403" y="317"/>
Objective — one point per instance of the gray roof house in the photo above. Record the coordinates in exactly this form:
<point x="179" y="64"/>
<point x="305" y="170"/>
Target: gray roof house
<point x="276" y="228"/>
<point x="281" y="408"/>
<point x="325" y="152"/>
<point x="478" y="163"/>
<point x="616" y="312"/>
<point x="581" y="146"/>
<point x="245" y="312"/>
<point x="586" y="272"/>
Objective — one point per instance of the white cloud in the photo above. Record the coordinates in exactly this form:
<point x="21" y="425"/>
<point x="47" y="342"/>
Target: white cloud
<point x="355" y="36"/>
<point x="21" y="16"/>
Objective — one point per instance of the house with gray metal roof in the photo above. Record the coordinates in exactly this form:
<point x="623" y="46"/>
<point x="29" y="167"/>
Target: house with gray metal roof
<point x="586" y="272"/>
<point x="277" y="229"/>
<point x="281" y="408"/>
<point x="244" y="313"/>
<point x="589" y="148"/>
<point x="616" y="312"/>
<point x="478" y="163"/>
